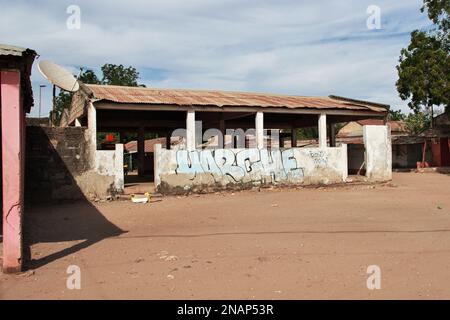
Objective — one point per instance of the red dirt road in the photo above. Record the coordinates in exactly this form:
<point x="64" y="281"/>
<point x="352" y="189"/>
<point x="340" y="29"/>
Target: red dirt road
<point x="273" y="244"/>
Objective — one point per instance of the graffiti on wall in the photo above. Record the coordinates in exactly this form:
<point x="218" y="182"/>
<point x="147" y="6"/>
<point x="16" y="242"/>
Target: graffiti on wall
<point x="244" y="164"/>
<point x="319" y="158"/>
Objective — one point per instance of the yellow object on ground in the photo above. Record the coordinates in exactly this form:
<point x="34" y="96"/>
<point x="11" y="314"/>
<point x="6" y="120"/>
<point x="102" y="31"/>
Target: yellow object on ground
<point x="141" y="199"/>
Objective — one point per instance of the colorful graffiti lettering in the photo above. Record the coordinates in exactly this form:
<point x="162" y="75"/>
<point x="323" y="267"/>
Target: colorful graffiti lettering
<point x="240" y="164"/>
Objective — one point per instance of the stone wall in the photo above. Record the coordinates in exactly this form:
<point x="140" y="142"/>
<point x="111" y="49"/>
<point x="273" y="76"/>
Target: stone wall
<point x="60" y="167"/>
<point x="182" y="171"/>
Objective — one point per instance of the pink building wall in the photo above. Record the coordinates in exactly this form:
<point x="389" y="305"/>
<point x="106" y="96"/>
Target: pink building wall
<point x="13" y="129"/>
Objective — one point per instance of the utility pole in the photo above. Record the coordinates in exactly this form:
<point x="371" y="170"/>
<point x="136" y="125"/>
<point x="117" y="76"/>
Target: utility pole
<point x="40" y="97"/>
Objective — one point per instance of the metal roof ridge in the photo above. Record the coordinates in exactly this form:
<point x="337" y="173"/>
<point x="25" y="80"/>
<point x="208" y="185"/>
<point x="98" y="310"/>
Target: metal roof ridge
<point x="207" y="90"/>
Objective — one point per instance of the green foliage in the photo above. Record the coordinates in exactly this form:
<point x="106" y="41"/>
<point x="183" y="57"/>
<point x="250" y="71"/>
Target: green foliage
<point x="118" y="75"/>
<point x="88" y="76"/>
<point x="112" y="75"/>
<point x="424" y="72"/>
<point x="417" y="122"/>
<point x="439" y="12"/>
<point x="307" y="133"/>
<point x="396" y="115"/>
<point x="424" y="68"/>
<point x="62" y="100"/>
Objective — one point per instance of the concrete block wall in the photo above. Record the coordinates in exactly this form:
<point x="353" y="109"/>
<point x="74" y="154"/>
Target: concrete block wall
<point x="182" y="171"/>
<point x="59" y="166"/>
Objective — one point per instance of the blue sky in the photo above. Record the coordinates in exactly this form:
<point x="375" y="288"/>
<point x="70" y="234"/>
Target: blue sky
<point x="297" y="47"/>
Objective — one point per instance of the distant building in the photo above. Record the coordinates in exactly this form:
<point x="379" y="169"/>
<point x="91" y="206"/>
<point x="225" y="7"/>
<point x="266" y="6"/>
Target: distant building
<point x="131" y="154"/>
<point x="438" y="140"/>
<point x="354" y="129"/>
<point x="429" y="149"/>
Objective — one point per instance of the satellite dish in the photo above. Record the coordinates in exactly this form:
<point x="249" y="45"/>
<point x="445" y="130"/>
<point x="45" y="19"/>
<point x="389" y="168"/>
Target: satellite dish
<point x="58" y="76"/>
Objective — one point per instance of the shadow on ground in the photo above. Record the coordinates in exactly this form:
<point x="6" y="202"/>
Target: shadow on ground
<point x="56" y="208"/>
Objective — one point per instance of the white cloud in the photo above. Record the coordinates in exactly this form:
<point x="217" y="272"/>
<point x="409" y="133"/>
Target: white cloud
<point x="295" y="47"/>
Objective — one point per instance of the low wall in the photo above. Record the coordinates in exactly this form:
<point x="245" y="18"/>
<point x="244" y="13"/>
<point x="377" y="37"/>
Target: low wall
<point x="110" y="163"/>
<point x="182" y="171"/>
<point x="59" y="166"/>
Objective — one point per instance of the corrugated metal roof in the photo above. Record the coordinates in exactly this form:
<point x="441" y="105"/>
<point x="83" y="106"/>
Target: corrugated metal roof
<point x="7" y="50"/>
<point x="182" y="97"/>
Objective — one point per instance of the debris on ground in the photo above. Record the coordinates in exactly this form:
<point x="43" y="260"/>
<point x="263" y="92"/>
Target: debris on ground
<point x="141" y="199"/>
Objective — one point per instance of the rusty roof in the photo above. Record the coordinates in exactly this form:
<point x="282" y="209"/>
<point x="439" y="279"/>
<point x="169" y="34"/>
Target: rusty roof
<point x="198" y="98"/>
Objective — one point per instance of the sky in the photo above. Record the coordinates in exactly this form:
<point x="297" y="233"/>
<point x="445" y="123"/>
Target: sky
<point x="299" y="47"/>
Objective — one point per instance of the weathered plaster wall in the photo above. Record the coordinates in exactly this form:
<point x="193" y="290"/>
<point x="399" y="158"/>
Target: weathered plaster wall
<point x="59" y="166"/>
<point x="12" y="119"/>
<point x="378" y="155"/>
<point x="110" y="163"/>
<point x="182" y="171"/>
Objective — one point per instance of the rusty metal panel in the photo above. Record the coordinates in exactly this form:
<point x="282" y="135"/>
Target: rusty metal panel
<point x="200" y="98"/>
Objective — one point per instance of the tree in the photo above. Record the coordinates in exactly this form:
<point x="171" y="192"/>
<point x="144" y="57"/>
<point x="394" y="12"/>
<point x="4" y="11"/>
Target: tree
<point x="118" y="75"/>
<point x="417" y="123"/>
<point x="439" y="13"/>
<point x="62" y="100"/>
<point x="89" y="77"/>
<point x="424" y="68"/>
<point x="396" y="115"/>
<point x="112" y="75"/>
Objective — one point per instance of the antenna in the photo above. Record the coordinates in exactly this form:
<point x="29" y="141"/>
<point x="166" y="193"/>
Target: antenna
<point x="58" y="76"/>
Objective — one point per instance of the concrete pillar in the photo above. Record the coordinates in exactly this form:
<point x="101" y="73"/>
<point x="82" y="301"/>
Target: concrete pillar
<point x="281" y="141"/>
<point x="190" y="130"/>
<point x="259" y="126"/>
<point x="322" y="130"/>
<point x="378" y="154"/>
<point x="294" y="138"/>
<point x="13" y="160"/>
<point x="332" y="135"/>
<point x="92" y="131"/>
<point x="118" y="168"/>
<point x="222" y="129"/>
<point x="156" y="165"/>
<point x="141" y="151"/>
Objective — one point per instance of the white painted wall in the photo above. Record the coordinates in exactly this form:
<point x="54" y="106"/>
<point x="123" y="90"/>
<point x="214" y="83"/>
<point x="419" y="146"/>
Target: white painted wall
<point x="378" y="155"/>
<point x="201" y="169"/>
<point x="110" y="163"/>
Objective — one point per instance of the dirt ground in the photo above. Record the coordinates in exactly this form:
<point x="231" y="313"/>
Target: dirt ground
<point x="273" y="244"/>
